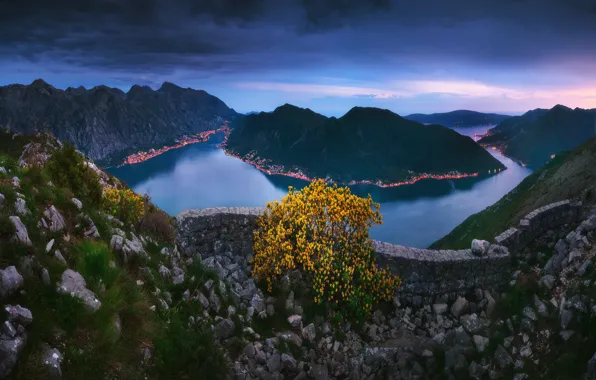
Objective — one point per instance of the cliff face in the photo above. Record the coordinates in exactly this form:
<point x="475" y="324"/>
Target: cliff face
<point x="106" y="123"/>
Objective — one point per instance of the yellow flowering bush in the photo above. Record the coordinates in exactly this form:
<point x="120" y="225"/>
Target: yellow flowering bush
<point x="124" y="204"/>
<point x="323" y="231"/>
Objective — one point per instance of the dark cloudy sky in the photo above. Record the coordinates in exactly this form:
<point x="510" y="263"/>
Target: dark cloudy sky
<point x="328" y="55"/>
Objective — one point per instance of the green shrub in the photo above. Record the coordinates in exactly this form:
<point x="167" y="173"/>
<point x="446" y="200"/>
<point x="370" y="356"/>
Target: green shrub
<point x="68" y="169"/>
<point x="93" y="262"/>
<point x="7" y="229"/>
<point x="189" y="352"/>
<point x="124" y="204"/>
<point x="159" y="225"/>
<point x="8" y="163"/>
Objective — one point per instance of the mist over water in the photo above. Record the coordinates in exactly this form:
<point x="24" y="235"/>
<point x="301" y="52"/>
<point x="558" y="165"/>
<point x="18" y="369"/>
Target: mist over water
<point x="201" y="176"/>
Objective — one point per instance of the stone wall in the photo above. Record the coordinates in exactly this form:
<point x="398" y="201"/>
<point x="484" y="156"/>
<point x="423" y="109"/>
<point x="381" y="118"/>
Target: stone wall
<point x="426" y="273"/>
<point x="539" y="222"/>
<point x="429" y="273"/>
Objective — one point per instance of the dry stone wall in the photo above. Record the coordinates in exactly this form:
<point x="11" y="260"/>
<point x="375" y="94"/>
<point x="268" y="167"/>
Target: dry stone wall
<point x="539" y="222"/>
<point x="427" y="274"/>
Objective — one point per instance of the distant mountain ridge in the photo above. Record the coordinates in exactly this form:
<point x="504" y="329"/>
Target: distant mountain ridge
<point x="536" y="135"/>
<point x="106" y="123"/>
<point x="458" y="118"/>
<point x="364" y="144"/>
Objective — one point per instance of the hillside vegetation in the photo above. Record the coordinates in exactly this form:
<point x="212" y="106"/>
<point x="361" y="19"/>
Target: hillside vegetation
<point x="82" y="286"/>
<point x="570" y="175"/>
<point x="364" y="144"/>
<point x="533" y="137"/>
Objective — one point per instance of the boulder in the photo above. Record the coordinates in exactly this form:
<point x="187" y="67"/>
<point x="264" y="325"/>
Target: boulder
<point x="49" y="246"/>
<point x="116" y="243"/>
<point x="10" y="281"/>
<point x="9" y="354"/>
<point x="502" y="357"/>
<point x="77" y="203"/>
<point x="225" y="329"/>
<point x="19" y="314"/>
<point x="480" y="247"/>
<point x="459" y="306"/>
<point x="51" y="359"/>
<point x="57" y="222"/>
<point x="20" y="207"/>
<point x="74" y="284"/>
<point x="274" y="363"/>
<point x="480" y="342"/>
<point x="295" y="321"/>
<point x="21" y="234"/>
<point x="309" y="332"/>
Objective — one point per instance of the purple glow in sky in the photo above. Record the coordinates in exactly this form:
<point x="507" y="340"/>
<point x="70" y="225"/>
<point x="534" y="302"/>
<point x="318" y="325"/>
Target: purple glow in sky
<point x="504" y="56"/>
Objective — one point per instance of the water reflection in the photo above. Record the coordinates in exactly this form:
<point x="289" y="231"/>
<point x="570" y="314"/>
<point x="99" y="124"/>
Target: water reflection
<point x="201" y="175"/>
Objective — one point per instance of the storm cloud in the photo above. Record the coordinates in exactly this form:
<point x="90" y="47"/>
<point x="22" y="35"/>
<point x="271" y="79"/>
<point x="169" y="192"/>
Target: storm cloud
<point x="388" y="48"/>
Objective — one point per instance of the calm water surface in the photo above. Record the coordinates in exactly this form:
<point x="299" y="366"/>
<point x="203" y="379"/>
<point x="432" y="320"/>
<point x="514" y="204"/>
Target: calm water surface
<point x="201" y="175"/>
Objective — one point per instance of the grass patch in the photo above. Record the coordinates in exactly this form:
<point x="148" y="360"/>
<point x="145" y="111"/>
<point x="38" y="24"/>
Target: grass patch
<point x="189" y="352"/>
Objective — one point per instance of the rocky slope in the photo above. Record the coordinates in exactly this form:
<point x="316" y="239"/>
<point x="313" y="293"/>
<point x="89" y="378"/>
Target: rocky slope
<point x="107" y="123"/>
<point x="366" y="144"/>
<point x="533" y="137"/>
<point x="459" y="118"/>
<point x="87" y="296"/>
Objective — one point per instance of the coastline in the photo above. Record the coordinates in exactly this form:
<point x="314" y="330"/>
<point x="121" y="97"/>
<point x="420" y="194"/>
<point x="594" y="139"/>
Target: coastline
<point x="302" y="176"/>
<point x="200" y="137"/>
<point x="298" y="174"/>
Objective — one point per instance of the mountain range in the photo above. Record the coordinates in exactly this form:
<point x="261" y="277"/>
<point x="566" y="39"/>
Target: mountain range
<point x="459" y="118"/>
<point x="106" y="123"/>
<point x="538" y="134"/>
<point x="364" y="144"/>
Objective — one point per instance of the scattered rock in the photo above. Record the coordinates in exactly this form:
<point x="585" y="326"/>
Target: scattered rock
<point x="74" y="284"/>
<point x="57" y="222"/>
<point x="20" y="207"/>
<point x="19" y="314"/>
<point x="502" y="357"/>
<point x="480" y="247"/>
<point x="225" y="329"/>
<point x="10" y="281"/>
<point x="309" y="332"/>
<point x="51" y="358"/>
<point x="77" y="203"/>
<point x="21" y="234"/>
<point x="459" y="306"/>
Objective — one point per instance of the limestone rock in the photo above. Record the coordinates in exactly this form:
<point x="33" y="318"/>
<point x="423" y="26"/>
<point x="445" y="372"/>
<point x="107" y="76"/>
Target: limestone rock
<point x="49" y="246"/>
<point x="480" y="247"/>
<point x="480" y="342"/>
<point x="20" y="207"/>
<point x="459" y="306"/>
<point x="51" y="359"/>
<point x="116" y="243"/>
<point x="19" y="314"/>
<point x="225" y="329"/>
<point x="502" y="357"/>
<point x="21" y="234"/>
<point x="57" y="222"/>
<point x="309" y="332"/>
<point x="10" y="281"/>
<point x="74" y="284"/>
<point x="9" y="353"/>
<point x="77" y="203"/>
